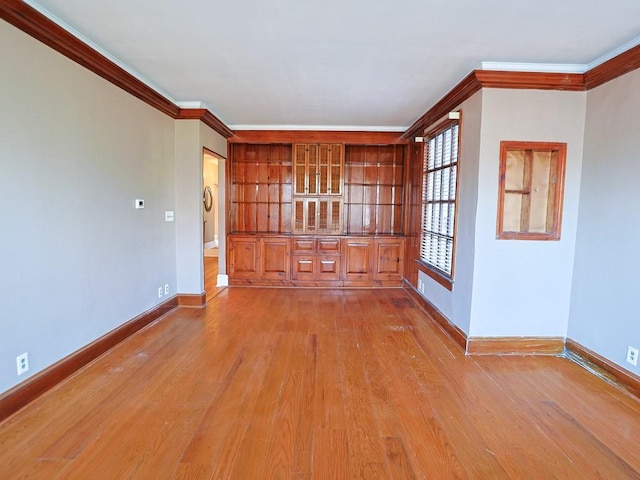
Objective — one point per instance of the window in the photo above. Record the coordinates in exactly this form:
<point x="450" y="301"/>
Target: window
<point x="439" y="185"/>
<point x="531" y="190"/>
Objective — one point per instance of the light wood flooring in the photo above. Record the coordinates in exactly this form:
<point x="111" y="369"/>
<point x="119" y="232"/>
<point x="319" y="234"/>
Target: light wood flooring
<point x="323" y="384"/>
<point x="211" y="277"/>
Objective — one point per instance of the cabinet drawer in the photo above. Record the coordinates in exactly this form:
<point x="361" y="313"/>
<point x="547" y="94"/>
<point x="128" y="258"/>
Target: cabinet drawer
<point x="328" y="267"/>
<point x="329" y="246"/>
<point x="304" y="245"/>
<point x="303" y="267"/>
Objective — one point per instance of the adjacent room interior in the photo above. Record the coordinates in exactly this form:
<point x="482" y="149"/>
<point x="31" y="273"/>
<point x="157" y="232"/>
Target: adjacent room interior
<point x="253" y="252"/>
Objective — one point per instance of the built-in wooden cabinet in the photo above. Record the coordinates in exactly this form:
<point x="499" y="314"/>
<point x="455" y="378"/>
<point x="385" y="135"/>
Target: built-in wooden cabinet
<point x="275" y="258"/>
<point x="357" y="266"/>
<point x="315" y="214"/>
<point x="388" y="259"/>
<point x="244" y="257"/>
<point x="315" y="261"/>
<point x="318" y="169"/>
<point x="374" y="192"/>
<point x="317" y="189"/>
<point x="253" y="259"/>
<point x="260" y="188"/>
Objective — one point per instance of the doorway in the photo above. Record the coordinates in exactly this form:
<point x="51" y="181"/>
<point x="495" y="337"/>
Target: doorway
<point x="211" y="221"/>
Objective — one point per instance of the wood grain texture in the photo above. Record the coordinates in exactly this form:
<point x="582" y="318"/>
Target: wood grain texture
<point x="316" y="136"/>
<point x="617" y="66"/>
<point x="299" y="384"/>
<point x="192" y="299"/>
<point x="618" y="374"/>
<point x="206" y="117"/>
<point x="453" y="330"/>
<point x="27" y="391"/>
<point x="515" y="345"/>
<point x="530" y="80"/>
<point x="458" y="94"/>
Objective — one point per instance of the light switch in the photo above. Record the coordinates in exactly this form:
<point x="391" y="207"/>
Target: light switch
<point x="168" y="216"/>
<point x="139" y="203"/>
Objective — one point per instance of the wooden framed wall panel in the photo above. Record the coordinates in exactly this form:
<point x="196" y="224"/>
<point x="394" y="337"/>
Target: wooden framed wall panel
<point x="260" y="188"/>
<point x="374" y="189"/>
<point x="413" y="211"/>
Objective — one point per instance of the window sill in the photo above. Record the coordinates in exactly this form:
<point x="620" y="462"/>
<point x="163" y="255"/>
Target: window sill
<point x="436" y="275"/>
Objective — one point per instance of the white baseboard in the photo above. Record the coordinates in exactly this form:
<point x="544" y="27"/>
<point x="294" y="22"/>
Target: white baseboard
<point x="223" y="281"/>
<point x="213" y="244"/>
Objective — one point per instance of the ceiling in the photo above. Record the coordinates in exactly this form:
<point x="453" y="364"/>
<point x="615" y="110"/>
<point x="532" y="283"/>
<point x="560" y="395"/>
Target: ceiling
<point x="337" y="64"/>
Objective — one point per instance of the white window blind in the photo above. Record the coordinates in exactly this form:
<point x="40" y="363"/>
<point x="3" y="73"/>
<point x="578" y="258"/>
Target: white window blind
<point x="439" y="180"/>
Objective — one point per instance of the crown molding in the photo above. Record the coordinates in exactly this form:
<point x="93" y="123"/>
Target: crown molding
<point x="317" y="136"/>
<point x="42" y="28"/>
<point x="614" y="53"/>
<point x="186" y="105"/>
<point x="458" y="94"/>
<point x="327" y="128"/>
<point x="530" y="80"/>
<point x="535" y="67"/>
<point x="47" y="29"/>
<point x="206" y="117"/>
<point x="568" y="78"/>
<point x="615" y="67"/>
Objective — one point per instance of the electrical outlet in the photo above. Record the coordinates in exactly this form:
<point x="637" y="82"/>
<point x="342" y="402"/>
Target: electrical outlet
<point x="166" y="289"/>
<point x="159" y="292"/>
<point x="22" y="362"/>
<point x="632" y="356"/>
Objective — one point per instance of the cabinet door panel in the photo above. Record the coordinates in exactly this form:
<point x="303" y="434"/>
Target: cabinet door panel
<point x="244" y="258"/>
<point x="275" y="258"/>
<point x="357" y="259"/>
<point x="389" y="259"/>
<point x="300" y="169"/>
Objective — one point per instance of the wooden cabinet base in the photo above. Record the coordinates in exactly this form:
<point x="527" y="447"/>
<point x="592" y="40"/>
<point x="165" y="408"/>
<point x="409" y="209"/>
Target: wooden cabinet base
<point x="315" y="262"/>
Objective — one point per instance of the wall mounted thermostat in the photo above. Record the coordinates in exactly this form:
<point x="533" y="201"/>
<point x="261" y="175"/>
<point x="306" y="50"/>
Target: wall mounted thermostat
<point x="139" y="203"/>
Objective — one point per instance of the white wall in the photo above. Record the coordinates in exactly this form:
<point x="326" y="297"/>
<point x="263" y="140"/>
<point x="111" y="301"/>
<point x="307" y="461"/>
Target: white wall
<point x="191" y="136"/>
<point x="456" y="304"/>
<point x="604" y="306"/>
<point x="522" y="288"/>
<point x="210" y="179"/>
<point x="216" y="143"/>
<point x="76" y="259"/>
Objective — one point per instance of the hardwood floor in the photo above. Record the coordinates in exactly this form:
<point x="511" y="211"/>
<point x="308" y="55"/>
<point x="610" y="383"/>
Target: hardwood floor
<point x="323" y="384"/>
<point x="211" y="277"/>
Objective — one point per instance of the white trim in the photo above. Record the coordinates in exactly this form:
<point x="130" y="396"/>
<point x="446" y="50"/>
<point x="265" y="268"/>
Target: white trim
<point x="535" y="67"/>
<point x="614" y="53"/>
<point x="190" y="104"/>
<point x="223" y="280"/>
<point x="213" y="244"/>
<point x="328" y="128"/>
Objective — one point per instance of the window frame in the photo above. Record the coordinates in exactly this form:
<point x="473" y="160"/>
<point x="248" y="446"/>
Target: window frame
<point x="556" y="228"/>
<point x="440" y="276"/>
